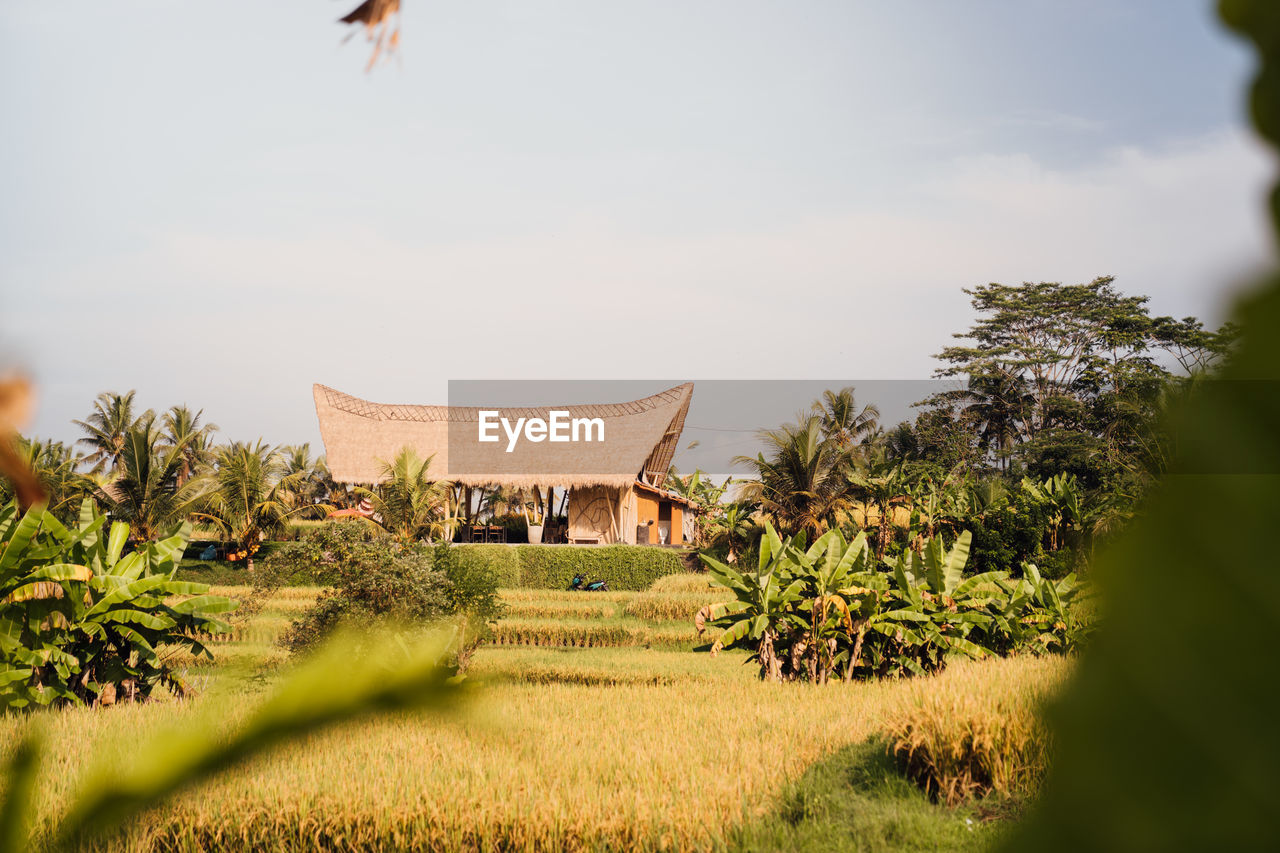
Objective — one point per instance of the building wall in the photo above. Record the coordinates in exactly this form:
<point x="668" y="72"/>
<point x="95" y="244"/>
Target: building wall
<point x="627" y="515"/>
<point x="593" y="511"/>
<point x="646" y="511"/>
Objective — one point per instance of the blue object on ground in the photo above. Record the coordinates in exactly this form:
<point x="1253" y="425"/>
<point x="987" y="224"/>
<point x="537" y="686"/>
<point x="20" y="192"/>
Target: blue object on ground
<point x="210" y="553"/>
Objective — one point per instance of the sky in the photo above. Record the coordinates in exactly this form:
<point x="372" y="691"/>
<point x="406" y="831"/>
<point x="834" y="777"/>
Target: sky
<point x="214" y="204"/>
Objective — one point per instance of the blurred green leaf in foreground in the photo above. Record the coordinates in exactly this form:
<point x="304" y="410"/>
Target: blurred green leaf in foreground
<point x="1168" y="737"/>
<point x="349" y="677"/>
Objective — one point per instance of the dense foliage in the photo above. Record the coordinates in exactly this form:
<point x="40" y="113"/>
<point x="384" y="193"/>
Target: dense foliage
<point x="374" y="579"/>
<point x="1166" y="738"/>
<point x="624" y="567"/>
<point x="82" y="621"/>
<point x="813" y="611"/>
<point x="502" y="561"/>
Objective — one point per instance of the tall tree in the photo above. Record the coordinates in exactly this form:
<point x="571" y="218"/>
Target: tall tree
<point x="1195" y="348"/>
<point x="1054" y="336"/>
<point x="408" y="502"/>
<point x="842" y="421"/>
<point x="106" y="427"/>
<point x="998" y="406"/>
<point x="248" y="498"/>
<point x="147" y="493"/>
<point x="182" y="428"/>
<point x="803" y="481"/>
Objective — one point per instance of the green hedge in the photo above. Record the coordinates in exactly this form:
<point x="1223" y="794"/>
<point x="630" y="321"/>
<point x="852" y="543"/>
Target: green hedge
<point x="625" y="567"/>
<point x="501" y="558"/>
<point x="631" y="567"/>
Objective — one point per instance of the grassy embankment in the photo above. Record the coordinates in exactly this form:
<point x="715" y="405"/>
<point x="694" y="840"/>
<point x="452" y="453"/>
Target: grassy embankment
<point x="628" y="740"/>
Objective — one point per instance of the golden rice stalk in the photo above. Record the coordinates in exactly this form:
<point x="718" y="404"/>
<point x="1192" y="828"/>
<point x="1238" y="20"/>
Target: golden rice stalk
<point x="977" y="729"/>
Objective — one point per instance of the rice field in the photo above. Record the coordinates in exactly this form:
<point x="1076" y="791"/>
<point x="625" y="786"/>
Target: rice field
<point x="593" y="728"/>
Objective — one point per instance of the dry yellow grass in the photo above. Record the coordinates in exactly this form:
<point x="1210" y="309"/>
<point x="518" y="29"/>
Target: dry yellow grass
<point x="512" y="595"/>
<point x="547" y="766"/>
<point x="977" y="729"/>
<point x="590" y="633"/>
<point x="663" y="606"/>
<point x="684" y="582"/>
<point x="563" y="749"/>
<point x="586" y="609"/>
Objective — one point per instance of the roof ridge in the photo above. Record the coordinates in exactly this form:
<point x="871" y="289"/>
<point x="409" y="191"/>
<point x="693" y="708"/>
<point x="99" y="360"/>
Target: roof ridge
<point x="469" y="414"/>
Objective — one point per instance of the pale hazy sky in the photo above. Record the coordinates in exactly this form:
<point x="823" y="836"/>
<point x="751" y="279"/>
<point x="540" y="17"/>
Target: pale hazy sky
<point x="213" y="204"/>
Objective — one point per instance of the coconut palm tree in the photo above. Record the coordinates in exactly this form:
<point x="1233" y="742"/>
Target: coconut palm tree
<point x="998" y="404"/>
<point x="504" y="501"/>
<point x="182" y="428"/>
<point x="105" y="429"/>
<point x="408" y="503"/>
<point x="248" y="498"/>
<point x="310" y="477"/>
<point x="900" y="443"/>
<point x="147" y="492"/>
<point x="842" y="421"/>
<point x="53" y="465"/>
<point x="804" y="482"/>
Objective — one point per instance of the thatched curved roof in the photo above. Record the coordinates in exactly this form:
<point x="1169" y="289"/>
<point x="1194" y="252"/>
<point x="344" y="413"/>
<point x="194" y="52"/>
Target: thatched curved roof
<point x="640" y="441"/>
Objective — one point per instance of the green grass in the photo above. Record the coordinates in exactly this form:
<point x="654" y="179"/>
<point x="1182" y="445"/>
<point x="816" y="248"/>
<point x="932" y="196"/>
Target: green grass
<point x="855" y="799"/>
<point x="632" y="743"/>
<point x="214" y="572"/>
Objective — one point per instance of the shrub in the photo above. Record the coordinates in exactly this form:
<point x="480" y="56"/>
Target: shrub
<point x="380" y="581"/>
<point x="82" y="621"/>
<point x="318" y="558"/>
<point x="624" y="567"/>
<point x="1006" y="538"/>
<point x="1059" y="564"/>
<point x="473" y="597"/>
<point x="502" y="560"/>
<point x="377" y="582"/>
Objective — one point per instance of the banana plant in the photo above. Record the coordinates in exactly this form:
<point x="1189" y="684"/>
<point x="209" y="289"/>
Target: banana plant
<point x="83" y="621"/>
<point x="1048" y="622"/>
<point x="758" y="617"/>
<point x="807" y="612"/>
<point x="1060" y="495"/>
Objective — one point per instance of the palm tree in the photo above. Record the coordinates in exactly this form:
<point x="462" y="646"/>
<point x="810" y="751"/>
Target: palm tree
<point x="147" y="492"/>
<point x="249" y="496"/>
<point x="106" y="428"/>
<point x="998" y="404"/>
<point x="54" y="467"/>
<point x="183" y="429"/>
<point x="409" y="504"/>
<point x="310" y="477"/>
<point x="504" y="501"/>
<point x="804" y="482"/>
<point x="842" y="421"/>
<point x="900" y="443"/>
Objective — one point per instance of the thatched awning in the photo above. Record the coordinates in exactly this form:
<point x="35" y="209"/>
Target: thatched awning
<point x="640" y="440"/>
